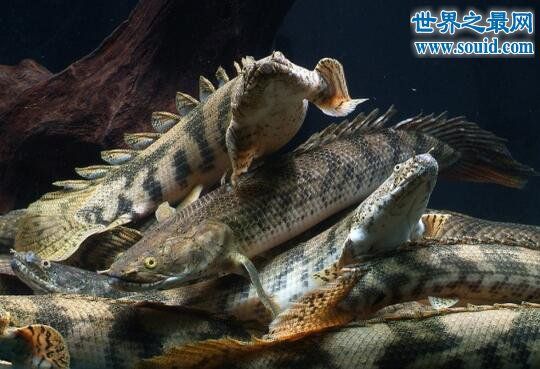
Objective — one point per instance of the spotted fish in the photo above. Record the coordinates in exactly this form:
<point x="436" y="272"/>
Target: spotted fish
<point x="337" y="168"/>
<point x="102" y="333"/>
<point x="244" y="119"/>
<point x="503" y="336"/>
<point x="484" y="274"/>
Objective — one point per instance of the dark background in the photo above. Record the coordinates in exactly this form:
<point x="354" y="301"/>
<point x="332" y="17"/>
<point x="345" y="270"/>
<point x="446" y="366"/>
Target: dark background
<point x="373" y="41"/>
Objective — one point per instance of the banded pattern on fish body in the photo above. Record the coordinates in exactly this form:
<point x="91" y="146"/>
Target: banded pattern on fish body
<point x="451" y="227"/>
<point x="276" y="202"/>
<point x="244" y="119"/>
<point x="103" y="333"/>
<point x="484" y="274"/>
<point x="500" y="337"/>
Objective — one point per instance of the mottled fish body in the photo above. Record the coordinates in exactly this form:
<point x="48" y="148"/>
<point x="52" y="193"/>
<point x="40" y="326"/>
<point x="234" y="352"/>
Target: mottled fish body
<point x="103" y="333"/>
<point x="505" y="337"/>
<point x="331" y="171"/>
<point x="451" y="228"/>
<point x="194" y="148"/>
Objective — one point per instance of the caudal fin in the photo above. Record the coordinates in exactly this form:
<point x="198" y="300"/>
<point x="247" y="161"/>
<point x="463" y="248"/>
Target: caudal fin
<point x="335" y="100"/>
<point x="57" y="237"/>
<point x="482" y="156"/>
<point x="47" y="347"/>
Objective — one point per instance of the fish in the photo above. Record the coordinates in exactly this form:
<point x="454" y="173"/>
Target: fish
<point x="245" y="119"/>
<point x="219" y="233"/>
<point x="106" y="333"/>
<point x="10" y="284"/>
<point x="442" y="226"/>
<point x="504" y="336"/>
<point x="483" y="274"/>
<point x="45" y="277"/>
<point x="398" y="203"/>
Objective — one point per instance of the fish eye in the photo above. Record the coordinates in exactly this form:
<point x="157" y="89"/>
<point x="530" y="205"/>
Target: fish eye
<point x="396" y="168"/>
<point x="150" y="262"/>
<point x="45" y="264"/>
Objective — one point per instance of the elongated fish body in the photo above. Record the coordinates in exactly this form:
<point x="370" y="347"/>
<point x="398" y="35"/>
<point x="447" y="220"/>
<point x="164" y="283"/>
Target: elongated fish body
<point x="195" y="148"/>
<point x="483" y="274"/>
<point x="103" y="333"/>
<point x="450" y="227"/>
<point x="333" y="170"/>
<point x="45" y="276"/>
<point x="503" y="337"/>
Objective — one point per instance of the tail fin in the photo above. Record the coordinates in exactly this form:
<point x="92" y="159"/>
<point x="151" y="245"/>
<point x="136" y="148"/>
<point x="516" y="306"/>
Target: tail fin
<point x="483" y="156"/>
<point x="48" y="347"/>
<point x="57" y="237"/>
<point x="336" y="101"/>
<point x="8" y="229"/>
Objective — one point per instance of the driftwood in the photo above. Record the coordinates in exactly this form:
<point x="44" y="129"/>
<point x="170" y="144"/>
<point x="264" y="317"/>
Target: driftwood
<point x="51" y="123"/>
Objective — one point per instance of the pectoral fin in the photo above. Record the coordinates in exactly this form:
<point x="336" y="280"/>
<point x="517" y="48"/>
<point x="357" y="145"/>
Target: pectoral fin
<point x="48" y="350"/>
<point x="442" y="303"/>
<point x="191" y="197"/>
<point x="316" y="311"/>
<point x="164" y="211"/>
<point x="335" y="100"/>
<point x="253" y="275"/>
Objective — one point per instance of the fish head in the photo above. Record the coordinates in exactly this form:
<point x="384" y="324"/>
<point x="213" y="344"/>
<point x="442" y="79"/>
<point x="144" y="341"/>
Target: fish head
<point x="390" y="216"/>
<point x="40" y="274"/>
<point x="179" y="259"/>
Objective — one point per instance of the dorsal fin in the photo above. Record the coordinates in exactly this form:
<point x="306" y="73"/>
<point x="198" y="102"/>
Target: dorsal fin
<point x="237" y="67"/>
<point x="221" y="76"/>
<point x="247" y="61"/>
<point x="162" y="121"/>
<point x="93" y="171"/>
<point x="118" y="156"/>
<point x="73" y="184"/>
<point x="185" y="103"/>
<point x="206" y="88"/>
<point x="140" y="141"/>
<point x="360" y="123"/>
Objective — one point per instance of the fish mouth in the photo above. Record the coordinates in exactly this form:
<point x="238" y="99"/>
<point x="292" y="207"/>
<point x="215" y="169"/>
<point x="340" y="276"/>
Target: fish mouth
<point x="165" y="283"/>
<point x="28" y="276"/>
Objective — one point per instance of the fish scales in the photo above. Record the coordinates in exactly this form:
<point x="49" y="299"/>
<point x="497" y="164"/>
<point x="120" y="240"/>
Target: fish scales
<point x="103" y="333"/>
<point x="196" y="148"/>
<point x="450" y="227"/>
<point x="501" y="337"/>
<point x="283" y="198"/>
<point x="472" y="273"/>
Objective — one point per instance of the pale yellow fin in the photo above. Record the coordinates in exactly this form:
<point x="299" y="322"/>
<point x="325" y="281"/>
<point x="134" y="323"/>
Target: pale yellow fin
<point x="237" y="67"/>
<point x="336" y="101"/>
<point x="185" y="103"/>
<point x="442" y="303"/>
<point x="221" y="76"/>
<point x="48" y="347"/>
<point x="247" y="61"/>
<point x="193" y="196"/>
<point x="206" y="88"/>
<point x="205" y="354"/>
<point x="140" y="141"/>
<point x="164" y="211"/>
<point x="53" y="237"/>
<point x="253" y="276"/>
<point x="118" y="156"/>
<point x="434" y="224"/>
<point x="162" y="121"/>
<point x="93" y="172"/>
<point x="73" y="184"/>
<point x="316" y="311"/>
